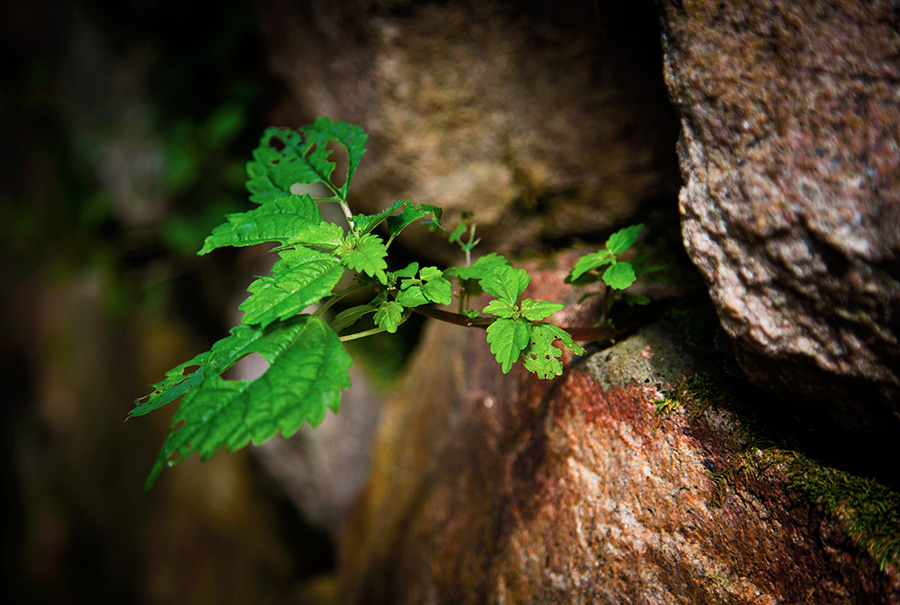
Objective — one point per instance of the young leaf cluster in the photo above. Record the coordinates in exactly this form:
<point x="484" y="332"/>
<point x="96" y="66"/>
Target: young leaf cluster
<point x="606" y="266"/>
<point x="285" y="315"/>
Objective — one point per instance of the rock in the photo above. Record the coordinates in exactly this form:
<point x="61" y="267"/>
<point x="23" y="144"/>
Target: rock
<point x="505" y="489"/>
<point x="791" y="209"/>
<point x="545" y="120"/>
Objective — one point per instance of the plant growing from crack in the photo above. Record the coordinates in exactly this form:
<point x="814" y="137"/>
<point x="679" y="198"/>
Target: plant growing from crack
<point x="286" y="317"/>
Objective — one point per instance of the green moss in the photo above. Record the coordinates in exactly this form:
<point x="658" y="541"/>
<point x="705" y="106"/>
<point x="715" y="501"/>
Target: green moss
<point x="695" y="394"/>
<point x="868" y="511"/>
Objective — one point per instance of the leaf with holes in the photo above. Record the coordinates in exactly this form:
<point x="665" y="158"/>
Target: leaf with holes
<point x="284" y="158"/>
<point x="541" y="357"/>
<point x="308" y="367"/>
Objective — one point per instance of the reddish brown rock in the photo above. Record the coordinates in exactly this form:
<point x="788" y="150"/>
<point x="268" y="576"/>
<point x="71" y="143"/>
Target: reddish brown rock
<point x="502" y="488"/>
<point x="790" y="135"/>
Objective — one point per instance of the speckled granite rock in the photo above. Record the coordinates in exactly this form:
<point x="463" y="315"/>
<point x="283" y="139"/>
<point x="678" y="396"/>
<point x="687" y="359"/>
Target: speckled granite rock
<point x="504" y="489"/>
<point x="545" y="119"/>
<point x="790" y="149"/>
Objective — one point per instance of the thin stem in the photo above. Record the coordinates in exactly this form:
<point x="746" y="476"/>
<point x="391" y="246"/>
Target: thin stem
<point x="363" y="334"/>
<point x="344" y="206"/>
<point x="373" y="331"/>
<point x="578" y="333"/>
<point x="337" y="297"/>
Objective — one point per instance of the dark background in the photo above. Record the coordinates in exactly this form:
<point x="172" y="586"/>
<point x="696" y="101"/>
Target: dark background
<point x="125" y="128"/>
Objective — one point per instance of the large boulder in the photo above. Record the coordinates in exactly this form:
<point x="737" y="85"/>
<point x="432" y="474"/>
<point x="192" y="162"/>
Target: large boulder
<point x="492" y="488"/>
<point x="790" y="149"/>
<point x="545" y="119"/>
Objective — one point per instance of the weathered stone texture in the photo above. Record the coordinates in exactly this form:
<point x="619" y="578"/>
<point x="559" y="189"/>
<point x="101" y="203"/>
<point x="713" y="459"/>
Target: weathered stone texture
<point x="790" y="149"/>
<point x="492" y="488"/>
<point x="544" y="119"/>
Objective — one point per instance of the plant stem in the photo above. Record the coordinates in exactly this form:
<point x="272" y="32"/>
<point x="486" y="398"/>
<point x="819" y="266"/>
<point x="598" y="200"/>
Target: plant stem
<point x="337" y="297"/>
<point x="363" y="334"/>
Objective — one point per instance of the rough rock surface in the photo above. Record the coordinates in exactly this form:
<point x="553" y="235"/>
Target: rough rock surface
<point x="545" y="119"/>
<point x="505" y="489"/>
<point x="790" y="149"/>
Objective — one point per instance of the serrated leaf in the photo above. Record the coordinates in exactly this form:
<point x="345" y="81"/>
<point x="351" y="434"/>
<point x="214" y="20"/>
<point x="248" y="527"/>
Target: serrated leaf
<point x="284" y="158"/>
<point x="365" y="223"/>
<point x="412" y="296"/>
<point x="506" y="282"/>
<point x="388" y="316"/>
<point x="366" y="256"/>
<point x="285" y="219"/>
<point x="623" y="239"/>
<point x="348" y="317"/>
<point x="308" y="367"/>
<point x="508" y="338"/>
<point x="501" y="308"/>
<point x="301" y="278"/>
<point x="352" y="137"/>
<point x="587" y="263"/>
<point x="485" y="265"/>
<point x="410" y="214"/>
<point x="541" y="357"/>
<point x="437" y="289"/>
<point x="436" y="213"/>
<point x="536" y="310"/>
<point x="619" y="276"/>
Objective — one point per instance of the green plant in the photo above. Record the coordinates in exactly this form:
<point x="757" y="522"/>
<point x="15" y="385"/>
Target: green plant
<point x="321" y="263"/>
<point x="617" y="275"/>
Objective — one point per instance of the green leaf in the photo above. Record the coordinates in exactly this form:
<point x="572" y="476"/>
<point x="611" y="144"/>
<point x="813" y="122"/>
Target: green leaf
<point x="622" y="240"/>
<point x="506" y="282"/>
<point x="348" y="317"/>
<point x="430" y="287"/>
<point x="352" y="137"/>
<point x="409" y="270"/>
<point x="436" y="289"/>
<point x="501" y="308"/>
<point x="284" y="158"/>
<point x="635" y="299"/>
<point x="587" y="263"/>
<point x="366" y="256"/>
<point x="508" y="338"/>
<point x="619" y="276"/>
<point x="365" y="223"/>
<point x="301" y="278"/>
<point x="541" y="357"/>
<point x="457" y="233"/>
<point x="536" y="310"/>
<point x="308" y="367"/>
<point x="482" y="267"/>
<point x="410" y="214"/>
<point x="286" y="219"/>
<point x="388" y="316"/>
<point x="412" y="296"/>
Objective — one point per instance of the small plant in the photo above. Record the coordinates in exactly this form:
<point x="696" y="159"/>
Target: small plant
<point x="617" y="275"/>
<point x="286" y="317"/>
